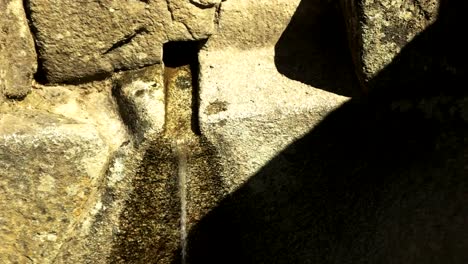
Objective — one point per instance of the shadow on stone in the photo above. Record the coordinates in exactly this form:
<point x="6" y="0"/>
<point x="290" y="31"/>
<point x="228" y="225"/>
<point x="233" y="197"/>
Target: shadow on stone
<point x="435" y="62"/>
<point x="313" y="49"/>
<point x="382" y="179"/>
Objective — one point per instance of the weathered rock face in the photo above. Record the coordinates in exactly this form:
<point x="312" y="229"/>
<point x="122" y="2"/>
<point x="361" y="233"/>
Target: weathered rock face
<point x="80" y="40"/>
<point x="140" y="94"/>
<point x="237" y="149"/>
<point x="176" y="180"/>
<point x="369" y="184"/>
<point x="51" y="169"/>
<point x="18" y="60"/>
<point x="408" y="48"/>
<point x="245" y="118"/>
<point x="378" y="30"/>
<point x="55" y="149"/>
<point x="248" y="120"/>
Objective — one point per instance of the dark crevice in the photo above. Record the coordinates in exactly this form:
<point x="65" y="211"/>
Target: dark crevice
<point x="100" y="76"/>
<point x="15" y="97"/>
<point x="123" y="69"/>
<point x="201" y="6"/>
<point x="168" y="4"/>
<point x="195" y="68"/>
<point x="126" y="39"/>
<point x="217" y="14"/>
<point x="188" y="30"/>
<point x="181" y="53"/>
<point x="40" y="75"/>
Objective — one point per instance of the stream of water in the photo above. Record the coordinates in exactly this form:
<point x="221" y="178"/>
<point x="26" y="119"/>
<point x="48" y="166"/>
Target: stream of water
<point x="182" y="173"/>
<point x="178" y="127"/>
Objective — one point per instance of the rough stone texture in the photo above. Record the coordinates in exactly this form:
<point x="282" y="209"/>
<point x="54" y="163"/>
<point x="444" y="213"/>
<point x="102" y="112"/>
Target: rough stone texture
<point x="240" y="157"/>
<point x="251" y="121"/>
<point x="408" y="48"/>
<point x="308" y="37"/>
<point x="371" y="183"/>
<point x="18" y="61"/>
<point x="149" y="230"/>
<point x="140" y="94"/>
<point x="51" y="169"/>
<point x="245" y="24"/>
<point x="55" y="148"/>
<point x="378" y="30"/>
<point x="96" y="236"/>
<point x="315" y="179"/>
<point x="138" y="216"/>
<point x="90" y="103"/>
<point x="248" y="120"/>
<point x="82" y="40"/>
<point x="200" y="183"/>
<point x="179" y="102"/>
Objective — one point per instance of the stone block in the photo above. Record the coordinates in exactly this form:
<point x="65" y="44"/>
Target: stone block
<point x="79" y="41"/>
<point x="52" y="167"/>
<point x="408" y="48"/>
<point x="141" y="97"/>
<point x="18" y="61"/>
<point x="379" y="30"/>
<point x="250" y="119"/>
<point x="246" y="23"/>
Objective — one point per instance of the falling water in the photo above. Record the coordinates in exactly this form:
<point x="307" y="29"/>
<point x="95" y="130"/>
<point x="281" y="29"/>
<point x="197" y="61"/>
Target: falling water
<point x="178" y="128"/>
<point x="182" y="173"/>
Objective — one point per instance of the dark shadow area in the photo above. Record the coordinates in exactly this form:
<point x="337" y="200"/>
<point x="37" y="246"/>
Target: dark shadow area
<point x="313" y="49"/>
<point x="434" y="63"/>
<point x="180" y="53"/>
<point x="383" y="179"/>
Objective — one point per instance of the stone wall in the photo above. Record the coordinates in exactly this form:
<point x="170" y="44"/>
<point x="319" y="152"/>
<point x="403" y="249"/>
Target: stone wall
<point x="235" y="131"/>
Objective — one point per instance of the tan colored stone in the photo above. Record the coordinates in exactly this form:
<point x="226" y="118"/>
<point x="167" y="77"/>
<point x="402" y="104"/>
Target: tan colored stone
<point x="246" y="23"/>
<point x="51" y="170"/>
<point x="96" y="235"/>
<point x="18" y="61"/>
<point x="90" y="103"/>
<point x="249" y="119"/>
<point x="141" y="96"/>
<point x="59" y="141"/>
<point x="82" y="41"/>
